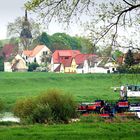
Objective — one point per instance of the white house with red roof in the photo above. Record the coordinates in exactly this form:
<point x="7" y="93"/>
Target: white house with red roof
<point x="63" y="58"/>
<point x="37" y="54"/>
<point x="85" y="62"/>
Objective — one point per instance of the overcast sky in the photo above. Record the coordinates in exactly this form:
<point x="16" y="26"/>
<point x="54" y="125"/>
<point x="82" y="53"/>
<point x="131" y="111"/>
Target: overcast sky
<point x="11" y="9"/>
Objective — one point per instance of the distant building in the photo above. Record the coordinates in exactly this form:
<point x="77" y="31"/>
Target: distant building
<point x="85" y="62"/>
<point x="63" y="58"/>
<point x="17" y="64"/>
<point x="106" y="65"/>
<point x="38" y="54"/>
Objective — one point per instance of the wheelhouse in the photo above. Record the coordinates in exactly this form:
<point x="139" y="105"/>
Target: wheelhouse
<point x="133" y="91"/>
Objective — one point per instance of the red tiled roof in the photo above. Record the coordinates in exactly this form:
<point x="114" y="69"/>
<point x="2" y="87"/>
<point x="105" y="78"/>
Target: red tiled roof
<point x="8" y="50"/>
<point x="71" y="53"/>
<point x="67" y="62"/>
<point x="82" y="57"/>
<point x="58" y="54"/>
<point x="32" y="53"/>
<point x="37" y="49"/>
<point x="27" y="52"/>
<point x="64" y="53"/>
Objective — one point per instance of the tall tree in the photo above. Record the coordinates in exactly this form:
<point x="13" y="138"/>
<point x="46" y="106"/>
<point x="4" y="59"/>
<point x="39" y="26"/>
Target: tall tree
<point x="129" y="59"/>
<point x="86" y="45"/>
<point x="107" y="18"/>
<point x="44" y="39"/>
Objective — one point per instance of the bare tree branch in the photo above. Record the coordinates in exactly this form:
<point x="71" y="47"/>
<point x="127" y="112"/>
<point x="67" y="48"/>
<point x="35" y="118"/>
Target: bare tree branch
<point x="128" y="3"/>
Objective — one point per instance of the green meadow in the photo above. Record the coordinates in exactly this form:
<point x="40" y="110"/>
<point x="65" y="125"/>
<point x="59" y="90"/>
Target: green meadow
<point x="84" y="87"/>
<point x="76" y="131"/>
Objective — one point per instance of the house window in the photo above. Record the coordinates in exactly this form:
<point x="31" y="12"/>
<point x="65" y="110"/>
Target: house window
<point x="45" y="52"/>
<point x="66" y="57"/>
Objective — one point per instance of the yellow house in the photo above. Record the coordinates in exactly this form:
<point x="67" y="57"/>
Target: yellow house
<point x="70" y="66"/>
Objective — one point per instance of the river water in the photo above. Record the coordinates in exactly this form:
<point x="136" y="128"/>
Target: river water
<point x="8" y="116"/>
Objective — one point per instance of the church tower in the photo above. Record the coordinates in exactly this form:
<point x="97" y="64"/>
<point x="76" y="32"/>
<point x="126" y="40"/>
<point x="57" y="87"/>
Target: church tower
<point x="25" y="35"/>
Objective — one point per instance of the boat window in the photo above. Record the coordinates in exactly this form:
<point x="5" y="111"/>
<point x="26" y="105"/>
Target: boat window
<point x="134" y="88"/>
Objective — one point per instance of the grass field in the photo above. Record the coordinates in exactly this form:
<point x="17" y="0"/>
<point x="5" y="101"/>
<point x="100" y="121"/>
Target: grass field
<point x="77" y="131"/>
<point x="86" y="87"/>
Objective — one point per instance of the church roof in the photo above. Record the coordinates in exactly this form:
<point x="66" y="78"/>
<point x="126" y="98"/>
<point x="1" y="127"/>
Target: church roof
<point x="25" y="33"/>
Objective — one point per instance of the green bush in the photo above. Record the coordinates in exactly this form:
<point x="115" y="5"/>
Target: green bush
<point x="131" y="70"/>
<point x="33" y="66"/>
<point x="42" y="114"/>
<point x="134" y="69"/>
<point x="50" y="107"/>
<point x="63" y="106"/>
<point x="24" y="109"/>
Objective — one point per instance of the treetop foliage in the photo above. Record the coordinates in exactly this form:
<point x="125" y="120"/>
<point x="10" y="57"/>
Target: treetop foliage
<point x="61" y="41"/>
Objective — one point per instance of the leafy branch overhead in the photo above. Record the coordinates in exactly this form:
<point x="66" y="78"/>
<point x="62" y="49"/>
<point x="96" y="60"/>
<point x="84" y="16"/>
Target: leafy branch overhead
<point x="104" y="18"/>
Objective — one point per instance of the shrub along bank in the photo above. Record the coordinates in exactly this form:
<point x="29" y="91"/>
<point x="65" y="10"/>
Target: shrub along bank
<point x="50" y="107"/>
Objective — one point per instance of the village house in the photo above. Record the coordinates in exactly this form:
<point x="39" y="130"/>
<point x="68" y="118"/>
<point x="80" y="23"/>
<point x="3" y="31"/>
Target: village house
<point x="17" y="64"/>
<point x="72" y="61"/>
<point x="105" y="65"/>
<point x="85" y="62"/>
<point x="62" y="61"/>
<point x="38" y="54"/>
<point x="69" y="65"/>
<point x="12" y="61"/>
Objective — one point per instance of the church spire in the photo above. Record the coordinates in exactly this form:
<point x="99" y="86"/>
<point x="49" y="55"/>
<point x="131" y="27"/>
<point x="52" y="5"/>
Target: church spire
<point x="26" y="16"/>
<point x="26" y="35"/>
